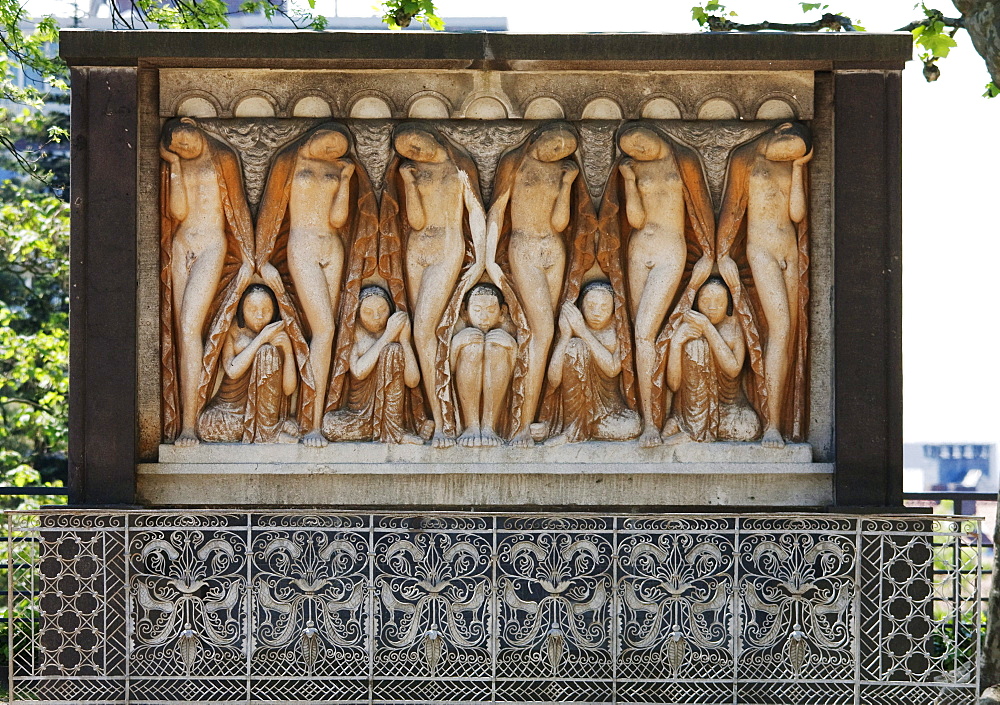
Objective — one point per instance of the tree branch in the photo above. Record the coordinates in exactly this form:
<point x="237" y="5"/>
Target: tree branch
<point x="956" y="22"/>
<point x="827" y="21"/>
<point x="27" y="402"/>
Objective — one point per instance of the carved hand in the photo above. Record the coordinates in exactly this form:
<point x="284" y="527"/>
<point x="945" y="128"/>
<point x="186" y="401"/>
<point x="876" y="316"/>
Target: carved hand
<point x="575" y="318"/>
<point x="347" y="171"/>
<point x="627" y="168"/>
<point x="395" y="325"/>
<point x="407" y="331"/>
<point x="570" y="170"/>
<point x="702" y="270"/>
<point x="731" y="274"/>
<point x="697" y="320"/>
<point x="281" y="340"/>
<point x="802" y="161"/>
<point x="270" y="331"/>
<point x="686" y="332"/>
<point x="494" y="272"/>
<point x="271" y="277"/>
<point x="243" y="276"/>
<point x="407" y="170"/>
<point x="498" y="336"/>
<point x="565" y="327"/>
<point x="169" y="156"/>
<point x="472" y="274"/>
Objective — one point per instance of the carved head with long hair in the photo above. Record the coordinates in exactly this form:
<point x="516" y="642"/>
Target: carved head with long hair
<point x="183" y="137"/>
<point x="553" y="141"/>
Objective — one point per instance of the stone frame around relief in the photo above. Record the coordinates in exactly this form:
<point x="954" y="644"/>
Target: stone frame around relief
<point x="809" y="462"/>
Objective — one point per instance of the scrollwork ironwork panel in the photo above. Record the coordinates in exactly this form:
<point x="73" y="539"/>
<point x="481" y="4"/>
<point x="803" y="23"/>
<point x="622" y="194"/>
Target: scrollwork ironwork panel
<point x="433" y="617"/>
<point x="554" y="588"/>
<point x="310" y="591"/>
<point x="339" y="607"/>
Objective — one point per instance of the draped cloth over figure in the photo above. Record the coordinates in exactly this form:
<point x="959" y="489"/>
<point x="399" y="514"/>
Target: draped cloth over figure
<point x="251" y="408"/>
<point x="395" y="231"/>
<point x="380" y="407"/>
<point x="239" y="235"/>
<point x="273" y="225"/>
<point x="699" y="233"/>
<point x="592" y="244"/>
<point x="579" y="235"/>
<point x="733" y="228"/>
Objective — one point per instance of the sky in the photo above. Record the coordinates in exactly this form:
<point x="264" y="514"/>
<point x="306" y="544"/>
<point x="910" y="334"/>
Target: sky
<point x="951" y="148"/>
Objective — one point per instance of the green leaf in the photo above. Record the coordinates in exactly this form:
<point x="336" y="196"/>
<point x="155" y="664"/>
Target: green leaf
<point x="992" y="90"/>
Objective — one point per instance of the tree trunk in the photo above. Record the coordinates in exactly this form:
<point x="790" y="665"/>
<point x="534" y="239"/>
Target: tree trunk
<point x="982" y="20"/>
<point x="990" y="673"/>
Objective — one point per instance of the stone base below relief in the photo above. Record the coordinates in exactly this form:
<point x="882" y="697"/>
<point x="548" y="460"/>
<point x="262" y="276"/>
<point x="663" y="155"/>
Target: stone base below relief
<point x="589" y="475"/>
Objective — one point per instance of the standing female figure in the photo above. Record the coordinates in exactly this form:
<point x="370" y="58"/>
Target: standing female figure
<point x="206" y="258"/>
<point x="764" y="222"/>
<point x="539" y="200"/>
<point x="667" y="216"/>
<point x="306" y="223"/>
<point x="432" y="205"/>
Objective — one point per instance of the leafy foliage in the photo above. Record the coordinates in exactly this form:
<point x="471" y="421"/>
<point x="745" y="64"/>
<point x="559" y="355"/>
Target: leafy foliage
<point x="710" y="12"/>
<point x="29" y="54"/>
<point x="932" y="36"/>
<point x="400" y="13"/>
<point x="34" y="340"/>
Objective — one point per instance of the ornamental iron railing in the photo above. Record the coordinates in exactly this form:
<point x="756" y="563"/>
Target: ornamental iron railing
<point x="333" y="607"/>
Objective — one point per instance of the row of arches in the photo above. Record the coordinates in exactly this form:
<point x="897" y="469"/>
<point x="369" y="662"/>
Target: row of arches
<point x="430" y="105"/>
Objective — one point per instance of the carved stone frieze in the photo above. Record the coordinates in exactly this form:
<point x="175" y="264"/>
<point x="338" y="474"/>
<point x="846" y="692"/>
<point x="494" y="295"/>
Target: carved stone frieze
<point x="256" y="142"/>
<point x="484" y="95"/>
<point x="486" y="282"/>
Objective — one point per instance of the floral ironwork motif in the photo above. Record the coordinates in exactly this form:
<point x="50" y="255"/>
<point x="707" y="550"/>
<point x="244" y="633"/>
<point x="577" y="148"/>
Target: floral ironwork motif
<point x="171" y="607"/>
<point x="188" y="591"/>
<point x="433" y="588"/>
<point x="797" y="593"/>
<point x="310" y="588"/>
<point x="556" y="587"/>
<point x="676" y="594"/>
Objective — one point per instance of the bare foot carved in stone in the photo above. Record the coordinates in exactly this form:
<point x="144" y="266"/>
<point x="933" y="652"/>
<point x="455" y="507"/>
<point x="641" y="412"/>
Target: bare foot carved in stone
<point x="442" y="441"/>
<point x="470" y="438"/>
<point x="187" y="439"/>
<point x="650" y="437"/>
<point x="488" y="438"/>
<point x="772" y="438"/>
<point x="314" y="439"/>
<point x="522" y="439"/>
<point x="675" y="439"/>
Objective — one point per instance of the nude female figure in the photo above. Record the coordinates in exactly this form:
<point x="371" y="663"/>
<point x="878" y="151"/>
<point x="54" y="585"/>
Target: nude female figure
<point x="437" y="195"/>
<point x="766" y="184"/>
<point x="656" y="210"/>
<point x="319" y="207"/>
<point x="200" y="229"/>
<point x="538" y="194"/>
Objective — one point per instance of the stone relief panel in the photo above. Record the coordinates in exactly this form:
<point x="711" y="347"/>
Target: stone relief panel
<point x="484" y="283"/>
<point x="487" y="95"/>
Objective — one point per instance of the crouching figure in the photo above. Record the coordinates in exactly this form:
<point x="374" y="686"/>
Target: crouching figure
<point x="383" y="368"/>
<point x="586" y="368"/>
<point x="258" y="377"/>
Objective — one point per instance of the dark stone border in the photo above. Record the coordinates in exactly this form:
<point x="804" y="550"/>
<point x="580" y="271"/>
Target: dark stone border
<point x="486" y="50"/>
<point x="102" y="355"/>
<point x="868" y="291"/>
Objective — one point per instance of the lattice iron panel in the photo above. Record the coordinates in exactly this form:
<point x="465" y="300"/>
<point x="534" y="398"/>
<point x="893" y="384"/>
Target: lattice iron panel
<point x="324" y="607"/>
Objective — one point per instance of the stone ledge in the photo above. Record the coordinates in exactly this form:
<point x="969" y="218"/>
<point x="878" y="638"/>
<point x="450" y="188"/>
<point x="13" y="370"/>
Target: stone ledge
<point x="487" y="50"/>
<point x="594" y="455"/>
<point x="568" y="485"/>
